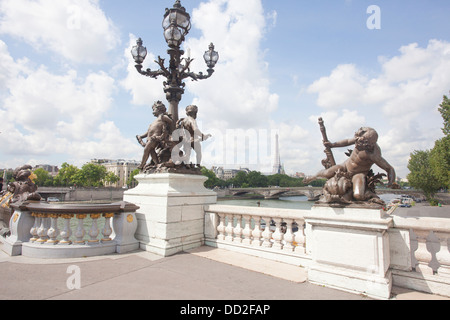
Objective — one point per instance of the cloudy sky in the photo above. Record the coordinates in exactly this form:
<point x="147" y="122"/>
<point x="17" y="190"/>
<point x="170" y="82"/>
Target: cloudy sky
<point x="69" y="91"/>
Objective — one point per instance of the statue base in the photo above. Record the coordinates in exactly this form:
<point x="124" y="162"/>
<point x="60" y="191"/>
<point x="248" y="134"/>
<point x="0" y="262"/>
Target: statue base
<point x="173" y="168"/>
<point x="171" y="216"/>
<point x="350" y="249"/>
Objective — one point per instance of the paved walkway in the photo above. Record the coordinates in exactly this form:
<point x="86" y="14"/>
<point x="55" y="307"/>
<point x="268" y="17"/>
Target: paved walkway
<point x="202" y="274"/>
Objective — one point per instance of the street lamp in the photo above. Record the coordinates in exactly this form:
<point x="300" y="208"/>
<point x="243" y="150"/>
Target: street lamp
<point x="176" y="25"/>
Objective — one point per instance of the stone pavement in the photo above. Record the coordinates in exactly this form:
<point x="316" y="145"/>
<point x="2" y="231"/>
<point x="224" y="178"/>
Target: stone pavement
<point x="203" y="274"/>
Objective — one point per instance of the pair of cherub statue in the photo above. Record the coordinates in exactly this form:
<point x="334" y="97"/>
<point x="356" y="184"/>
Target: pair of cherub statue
<point x="169" y="143"/>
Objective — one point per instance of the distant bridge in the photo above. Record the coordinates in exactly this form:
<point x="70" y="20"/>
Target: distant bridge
<point x="312" y="193"/>
<point x="275" y="193"/>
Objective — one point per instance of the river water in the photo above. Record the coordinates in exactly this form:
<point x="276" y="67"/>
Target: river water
<point x="297" y="202"/>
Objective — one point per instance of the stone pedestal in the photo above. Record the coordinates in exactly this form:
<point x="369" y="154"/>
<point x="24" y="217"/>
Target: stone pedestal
<point x="350" y="249"/>
<point x="171" y="215"/>
<point x="20" y="224"/>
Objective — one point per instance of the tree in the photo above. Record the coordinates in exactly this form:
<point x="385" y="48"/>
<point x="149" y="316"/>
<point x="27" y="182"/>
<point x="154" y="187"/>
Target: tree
<point x="43" y="178"/>
<point x="90" y="175"/>
<point x="429" y="170"/>
<point x="132" y="182"/>
<point x="421" y="174"/>
<point x="111" y="178"/>
<point x="440" y="154"/>
<point x="440" y="161"/>
<point x="256" y="180"/>
<point x="66" y="174"/>
<point x="444" y="109"/>
<point x="240" y="179"/>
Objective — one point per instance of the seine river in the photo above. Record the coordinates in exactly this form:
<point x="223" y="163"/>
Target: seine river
<point x="297" y="202"/>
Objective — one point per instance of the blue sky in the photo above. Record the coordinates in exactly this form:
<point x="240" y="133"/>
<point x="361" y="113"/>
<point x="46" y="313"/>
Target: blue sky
<point x="69" y="91"/>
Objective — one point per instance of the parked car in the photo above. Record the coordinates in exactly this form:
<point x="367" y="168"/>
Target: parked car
<point x="52" y="199"/>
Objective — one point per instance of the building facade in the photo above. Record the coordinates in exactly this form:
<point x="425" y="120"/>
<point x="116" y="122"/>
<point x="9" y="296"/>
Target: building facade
<point x="52" y="170"/>
<point x="121" y="168"/>
<point x="227" y="174"/>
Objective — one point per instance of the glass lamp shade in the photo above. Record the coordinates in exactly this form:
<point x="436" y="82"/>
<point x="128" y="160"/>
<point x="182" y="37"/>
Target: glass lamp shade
<point x="173" y="36"/>
<point x="211" y="57"/>
<point x="176" y="24"/>
<point x="139" y="52"/>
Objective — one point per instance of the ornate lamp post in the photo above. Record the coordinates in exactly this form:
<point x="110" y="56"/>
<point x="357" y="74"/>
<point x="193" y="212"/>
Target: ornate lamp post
<point x="176" y="26"/>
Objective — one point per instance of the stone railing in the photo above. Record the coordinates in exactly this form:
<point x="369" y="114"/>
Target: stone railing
<point x="422" y="257"/>
<point x="42" y="230"/>
<point x="276" y="234"/>
<point x="418" y="256"/>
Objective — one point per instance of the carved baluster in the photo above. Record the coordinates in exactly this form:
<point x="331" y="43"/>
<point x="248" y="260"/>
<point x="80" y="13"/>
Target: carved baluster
<point x="80" y="232"/>
<point x="229" y="228"/>
<point x="107" y="231"/>
<point x="94" y="231"/>
<point x="34" y="230"/>
<point x="422" y="255"/>
<point x="67" y="231"/>
<point x="299" y="238"/>
<point x="43" y="229"/>
<point x="247" y="232"/>
<point x="267" y="234"/>
<point x="238" y="230"/>
<point x="277" y="235"/>
<point x="443" y="256"/>
<point x="288" y="236"/>
<point x="221" y="227"/>
<point x="53" y="232"/>
<point x="257" y="233"/>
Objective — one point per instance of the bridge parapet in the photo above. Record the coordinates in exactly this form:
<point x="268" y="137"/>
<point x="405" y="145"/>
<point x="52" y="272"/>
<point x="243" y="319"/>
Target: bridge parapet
<point x="47" y="231"/>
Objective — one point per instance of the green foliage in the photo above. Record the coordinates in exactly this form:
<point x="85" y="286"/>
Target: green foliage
<point x="429" y="170"/>
<point x="66" y="175"/>
<point x="111" y="178"/>
<point x="255" y="179"/>
<point x="440" y="161"/>
<point x="90" y="175"/>
<point x="212" y="181"/>
<point x="433" y="202"/>
<point x="421" y="174"/>
<point x="444" y="109"/>
<point x="44" y="179"/>
<point x="132" y="182"/>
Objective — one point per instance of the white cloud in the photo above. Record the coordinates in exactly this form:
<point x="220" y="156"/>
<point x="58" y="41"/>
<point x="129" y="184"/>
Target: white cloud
<point x="238" y="94"/>
<point x="409" y="83"/>
<point x="342" y="88"/>
<point x="44" y="114"/>
<point x="404" y="96"/>
<point x="78" y="30"/>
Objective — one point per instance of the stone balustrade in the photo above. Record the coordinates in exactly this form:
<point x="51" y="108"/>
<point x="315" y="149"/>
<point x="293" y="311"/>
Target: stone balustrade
<point x="418" y="256"/>
<point x="277" y="234"/>
<point x="42" y="230"/>
<point x="355" y="249"/>
<point x="428" y="266"/>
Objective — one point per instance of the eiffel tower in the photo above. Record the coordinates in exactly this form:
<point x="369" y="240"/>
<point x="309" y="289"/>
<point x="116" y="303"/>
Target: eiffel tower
<point x="277" y="167"/>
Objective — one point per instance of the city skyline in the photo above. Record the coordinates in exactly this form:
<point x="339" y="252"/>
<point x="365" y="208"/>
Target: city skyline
<point x="69" y="91"/>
